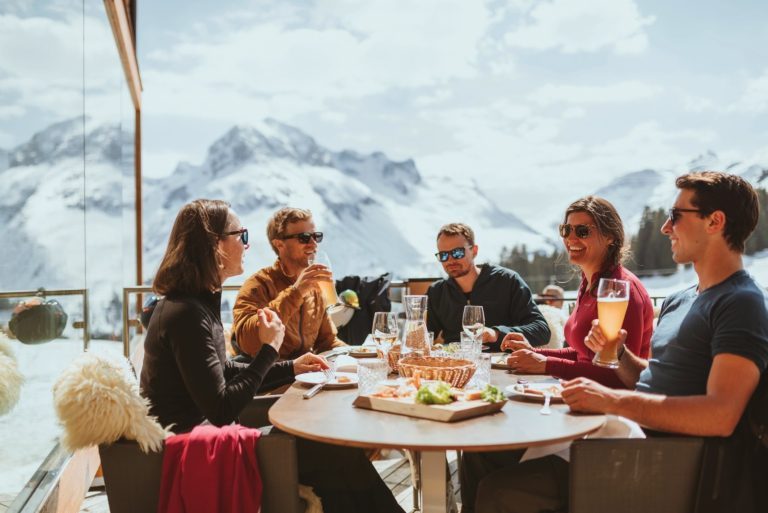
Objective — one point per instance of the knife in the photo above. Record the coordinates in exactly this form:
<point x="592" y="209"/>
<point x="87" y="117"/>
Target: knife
<point x="314" y="390"/>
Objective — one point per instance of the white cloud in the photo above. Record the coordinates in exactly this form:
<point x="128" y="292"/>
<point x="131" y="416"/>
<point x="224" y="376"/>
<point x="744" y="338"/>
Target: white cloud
<point x="11" y="111"/>
<point x="697" y="103"/>
<point x="437" y="96"/>
<point x="755" y="98"/>
<point x="584" y="26"/>
<point x="621" y="92"/>
<point x="340" y="50"/>
<point x="47" y="76"/>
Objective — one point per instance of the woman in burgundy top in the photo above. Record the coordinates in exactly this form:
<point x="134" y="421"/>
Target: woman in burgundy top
<point x="593" y="237"/>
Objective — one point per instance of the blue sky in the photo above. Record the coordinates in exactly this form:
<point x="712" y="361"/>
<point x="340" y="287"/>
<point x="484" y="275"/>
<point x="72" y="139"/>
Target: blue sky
<point x="564" y="90"/>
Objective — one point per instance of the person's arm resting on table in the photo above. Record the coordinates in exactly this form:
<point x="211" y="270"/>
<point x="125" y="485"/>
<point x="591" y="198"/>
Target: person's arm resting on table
<point x="732" y="380"/>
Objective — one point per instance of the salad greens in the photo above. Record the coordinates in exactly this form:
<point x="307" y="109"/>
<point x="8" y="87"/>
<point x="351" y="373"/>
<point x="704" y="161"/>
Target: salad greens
<point x="492" y="394"/>
<point x="434" y="393"/>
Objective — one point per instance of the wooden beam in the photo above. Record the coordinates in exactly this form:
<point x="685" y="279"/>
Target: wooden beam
<point x="73" y="484"/>
<point x="121" y="29"/>
<point x="139" y="206"/>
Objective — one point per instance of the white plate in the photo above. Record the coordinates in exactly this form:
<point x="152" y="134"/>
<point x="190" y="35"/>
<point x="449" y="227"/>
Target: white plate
<point x="526" y="391"/>
<point x="363" y="352"/>
<point x="499" y="361"/>
<point x="313" y="378"/>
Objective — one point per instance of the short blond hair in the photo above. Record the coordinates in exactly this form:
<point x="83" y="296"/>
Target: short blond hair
<point x="281" y="219"/>
<point x="457" y="229"/>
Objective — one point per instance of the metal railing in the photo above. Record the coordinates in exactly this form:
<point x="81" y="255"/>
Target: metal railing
<point x="17" y="294"/>
<point x="128" y="322"/>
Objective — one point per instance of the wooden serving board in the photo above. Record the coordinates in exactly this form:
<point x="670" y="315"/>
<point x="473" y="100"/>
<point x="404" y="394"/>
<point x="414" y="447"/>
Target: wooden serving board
<point x="458" y="410"/>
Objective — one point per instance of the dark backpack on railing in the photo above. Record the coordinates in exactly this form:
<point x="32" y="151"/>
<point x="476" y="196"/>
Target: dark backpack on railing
<point x="373" y="294"/>
<point x="39" y="323"/>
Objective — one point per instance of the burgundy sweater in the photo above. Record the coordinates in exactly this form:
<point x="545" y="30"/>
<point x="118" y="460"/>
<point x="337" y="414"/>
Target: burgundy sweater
<point x="576" y="360"/>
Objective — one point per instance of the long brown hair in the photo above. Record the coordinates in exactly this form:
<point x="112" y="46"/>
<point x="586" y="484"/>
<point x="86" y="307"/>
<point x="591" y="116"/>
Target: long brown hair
<point x="191" y="261"/>
<point x="609" y="224"/>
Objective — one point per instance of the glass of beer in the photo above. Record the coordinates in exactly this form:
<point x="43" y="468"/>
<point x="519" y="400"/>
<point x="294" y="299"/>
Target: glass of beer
<point x="327" y="288"/>
<point x="612" y="302"/>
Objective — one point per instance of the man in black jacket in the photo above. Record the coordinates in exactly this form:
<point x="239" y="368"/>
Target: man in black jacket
<point x="506" y="299"/>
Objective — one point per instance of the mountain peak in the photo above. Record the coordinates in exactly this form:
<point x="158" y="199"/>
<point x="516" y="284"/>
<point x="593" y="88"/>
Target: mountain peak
<point x="269" y="140"/>
<point x="62" y="139"/>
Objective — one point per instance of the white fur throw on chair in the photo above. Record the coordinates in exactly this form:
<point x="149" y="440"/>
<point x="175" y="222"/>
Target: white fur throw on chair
<point x="97" y="400"/>
<point x="10" y="377"/>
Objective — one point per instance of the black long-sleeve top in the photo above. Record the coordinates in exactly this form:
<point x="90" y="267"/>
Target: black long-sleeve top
<point x="186" y="374"/>
<point x="506" y="300"/>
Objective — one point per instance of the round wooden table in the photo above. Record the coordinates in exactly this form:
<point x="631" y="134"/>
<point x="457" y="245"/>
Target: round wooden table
<point x="329" y="417"/>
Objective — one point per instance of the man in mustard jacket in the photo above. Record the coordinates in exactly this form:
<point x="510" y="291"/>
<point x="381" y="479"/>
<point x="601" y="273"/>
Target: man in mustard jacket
<point x="290" y="287"/>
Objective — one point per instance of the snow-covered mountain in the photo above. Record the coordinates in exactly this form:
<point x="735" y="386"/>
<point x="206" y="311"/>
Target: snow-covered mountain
<point x="378" y="214"/>
<point x="46" y="191"/>
<point x="632" y="192"/>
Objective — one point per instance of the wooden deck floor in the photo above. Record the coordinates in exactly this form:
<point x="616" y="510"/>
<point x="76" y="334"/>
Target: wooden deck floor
<point x="395" y="471"/>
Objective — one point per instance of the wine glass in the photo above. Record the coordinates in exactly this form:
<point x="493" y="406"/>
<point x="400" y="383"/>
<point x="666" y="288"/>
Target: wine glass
<point x="327" y="288"/>
<point x="384" y="330"/>
<point x="473" y="321"/>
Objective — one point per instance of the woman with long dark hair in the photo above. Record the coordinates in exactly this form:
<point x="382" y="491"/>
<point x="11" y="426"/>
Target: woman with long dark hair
<point x="593" y="236"/>
<point x="188" y="378"/>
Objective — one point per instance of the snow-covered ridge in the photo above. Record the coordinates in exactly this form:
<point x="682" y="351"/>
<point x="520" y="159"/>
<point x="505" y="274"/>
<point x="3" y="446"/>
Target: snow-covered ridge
<point x="379" y="215"/>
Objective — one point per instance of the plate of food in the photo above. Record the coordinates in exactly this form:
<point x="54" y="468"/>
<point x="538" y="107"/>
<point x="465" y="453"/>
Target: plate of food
<point x="363" y="352"/>
<point x="536" y="391"/>
<point x="433" y="400"/>
<point x="340" y="379"/>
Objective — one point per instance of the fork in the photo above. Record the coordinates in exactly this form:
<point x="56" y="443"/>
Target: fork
<point x="545" y="410"/>
<point x="330" y="372"/>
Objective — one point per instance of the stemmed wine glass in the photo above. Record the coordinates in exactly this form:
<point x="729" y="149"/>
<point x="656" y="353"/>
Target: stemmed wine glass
<point x="384" y="330"/>
<point x="473" y="321"/>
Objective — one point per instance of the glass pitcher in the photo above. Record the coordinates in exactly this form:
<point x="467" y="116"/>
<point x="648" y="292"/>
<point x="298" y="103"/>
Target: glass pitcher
<point x="415" y="338"/>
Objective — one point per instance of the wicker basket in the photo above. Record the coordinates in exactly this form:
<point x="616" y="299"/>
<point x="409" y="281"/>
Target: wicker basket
<point x="393" y="356"/>
<point x="455" y="371"/>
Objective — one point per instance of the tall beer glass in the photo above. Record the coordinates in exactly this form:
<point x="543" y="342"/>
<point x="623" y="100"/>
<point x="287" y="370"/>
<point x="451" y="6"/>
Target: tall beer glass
<point x="327" y="288"/>
<point x="612" y="302"/>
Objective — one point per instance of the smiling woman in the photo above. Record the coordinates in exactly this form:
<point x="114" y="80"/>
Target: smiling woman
<point x="593" y="236"/>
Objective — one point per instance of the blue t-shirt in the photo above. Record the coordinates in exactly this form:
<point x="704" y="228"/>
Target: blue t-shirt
<point x="731" y="317"/>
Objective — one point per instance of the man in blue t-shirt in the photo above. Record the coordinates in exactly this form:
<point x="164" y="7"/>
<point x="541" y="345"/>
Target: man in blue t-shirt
<point x="709" y="349"/>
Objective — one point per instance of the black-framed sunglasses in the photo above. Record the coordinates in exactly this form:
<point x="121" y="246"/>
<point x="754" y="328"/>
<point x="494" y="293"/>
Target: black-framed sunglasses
<point x="675" y="213"/>
<point x="455" y="253"/>
<point x="243" y="232"/>
<point x="582" y="231"/>
<point x="304" y="237"/>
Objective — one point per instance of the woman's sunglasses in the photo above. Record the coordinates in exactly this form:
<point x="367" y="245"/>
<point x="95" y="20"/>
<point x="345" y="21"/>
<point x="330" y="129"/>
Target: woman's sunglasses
<point x="582" y="231"/>
<point x="304" y="237"/>
<point x="243" y="232"/>
<point x="455" y="253"/>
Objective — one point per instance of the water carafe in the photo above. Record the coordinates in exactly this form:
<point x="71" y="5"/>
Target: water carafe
<point x="415" y="337"/>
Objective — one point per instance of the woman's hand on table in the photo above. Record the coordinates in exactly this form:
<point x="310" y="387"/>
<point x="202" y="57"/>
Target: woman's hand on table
<point x="596" y="341"/>
<point x="584" y="395"/>
<point x="514" y="341"/>
<point x="270" y="328"/>
<point x="527" y="361"/>
<point x="309" y="362"/>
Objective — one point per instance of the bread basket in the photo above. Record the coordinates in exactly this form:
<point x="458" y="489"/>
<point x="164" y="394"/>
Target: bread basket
<point x="455" y="371"/>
